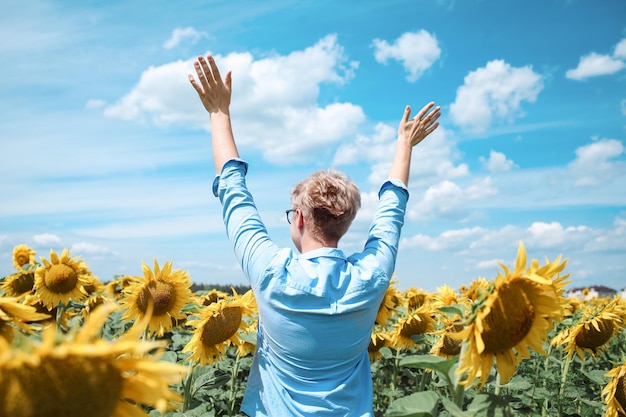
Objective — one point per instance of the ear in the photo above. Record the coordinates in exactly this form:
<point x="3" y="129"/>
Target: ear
<point x="298" y="218"/>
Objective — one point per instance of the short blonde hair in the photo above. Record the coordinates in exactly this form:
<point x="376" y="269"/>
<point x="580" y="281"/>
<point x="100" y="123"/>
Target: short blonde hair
<point x="329" y="201"/>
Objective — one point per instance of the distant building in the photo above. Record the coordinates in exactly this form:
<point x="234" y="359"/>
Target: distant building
<point x="594" y="291"/>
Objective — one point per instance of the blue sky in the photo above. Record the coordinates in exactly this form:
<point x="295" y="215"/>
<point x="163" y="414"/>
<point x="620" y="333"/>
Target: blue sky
<point x="105" y="148"/>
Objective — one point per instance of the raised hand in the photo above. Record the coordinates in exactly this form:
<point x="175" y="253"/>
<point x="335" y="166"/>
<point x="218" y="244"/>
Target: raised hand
<point x="423" y="124"/>
<point x="213" y="92"/>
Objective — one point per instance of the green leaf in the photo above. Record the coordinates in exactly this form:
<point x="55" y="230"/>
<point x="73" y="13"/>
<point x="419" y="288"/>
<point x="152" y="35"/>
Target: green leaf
<point x="518" y="383"/>
<point x="419" y="404"/>
<point x="436" y="363"/>
<point x="452" y="408"/>
<point x="210" y="380"/>
<point x="454" y="309"/>
<point x="597" y="376"/>
<point x="488" y="405"/>
<point x="169" y="356"/>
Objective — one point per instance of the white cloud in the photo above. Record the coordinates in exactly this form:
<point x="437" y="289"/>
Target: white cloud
<point x="433" y="159"/>
<point x="594" y="163"/>
<point x="417" y="51"/>
<point x="611" y="239"/>
<point x="554" y="235"/>
<point x="494" y="92"/>
<point x="181" y="34"/>
<point x="449" y="200"/>
<point x="91" y="249"/>
<point x="620" y="50"/>
<point x="489" y="264"/>
<point x="276" y="97"/>
<point x="450" y="239"/>
<point x="46" y="239"/>
<point x="497" y="162"/>
<point x="594" y="65"/>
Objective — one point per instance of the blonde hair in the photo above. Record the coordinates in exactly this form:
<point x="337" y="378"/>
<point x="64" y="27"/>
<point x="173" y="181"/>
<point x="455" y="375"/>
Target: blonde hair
<point x="329" y="201"/>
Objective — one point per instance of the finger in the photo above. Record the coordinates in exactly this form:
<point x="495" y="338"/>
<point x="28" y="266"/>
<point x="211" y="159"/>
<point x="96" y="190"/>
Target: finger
<point x="407" y="113"/>
<point x="214" y="70"/>
<point x="229" y="81"/>
<point x="201" y="77"/>
<point x="194" y="84"/>
<point x="424" y="110"/>
<point x="207" y="71"/>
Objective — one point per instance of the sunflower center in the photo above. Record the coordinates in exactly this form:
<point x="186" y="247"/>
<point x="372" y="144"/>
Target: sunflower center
<point x="414" y="325"/>
<point x="589" y="337"/>
<point x="162" y="293"/>
<point x="416" y="301"/>
<point x="74" y="387"/>
<point x="61" y="278"/>
<point x="221" y="327"/>
<point x="22" y="283"/>
<point x="22" y="259"/>
<point x="451" y="347"/>
<point x="511" y="317"/>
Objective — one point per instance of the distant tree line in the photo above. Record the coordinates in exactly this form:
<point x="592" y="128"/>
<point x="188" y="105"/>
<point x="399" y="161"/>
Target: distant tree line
<point x="240" y="289"/>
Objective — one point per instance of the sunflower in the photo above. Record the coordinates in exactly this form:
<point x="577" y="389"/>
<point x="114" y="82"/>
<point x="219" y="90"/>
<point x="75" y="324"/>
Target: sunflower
<point x="447" y="346"/>
<point x="391" y="300"/>
<point x="168" y="290"/>
<point x="476" y="289"/>
<point x="595" y="327"/>
<point x="61" y="280"/>
<point x="19" y="283"/>
<point x="14" y="313"/>
<point x="115" y="289"/>
<point x="23" y="255"/>
<point x="378" y="341"/>
<point x="614" y="392"/>
<point x="218" y="326"/>
<point x="211" y="297"/>
<point x="513" y="313"/>
<point x="416" y="322"/>
<point x="84" y="375"/>
<point x="414" y="298"/>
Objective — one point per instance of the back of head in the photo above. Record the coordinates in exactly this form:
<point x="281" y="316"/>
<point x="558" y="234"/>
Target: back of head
<point x="329" y="201"/>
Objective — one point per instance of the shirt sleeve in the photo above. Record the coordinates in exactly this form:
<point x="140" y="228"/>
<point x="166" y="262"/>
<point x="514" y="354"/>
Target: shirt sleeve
<point x="253" y="247"/>
<point x="384" y="233"/>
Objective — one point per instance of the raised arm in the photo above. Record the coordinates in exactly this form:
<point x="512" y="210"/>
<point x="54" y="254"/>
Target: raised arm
<point x="215" y="96"/>
<point x="410" y="133"/>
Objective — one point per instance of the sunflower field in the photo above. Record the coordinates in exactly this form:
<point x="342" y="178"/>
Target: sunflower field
<point x="515" y="344"/>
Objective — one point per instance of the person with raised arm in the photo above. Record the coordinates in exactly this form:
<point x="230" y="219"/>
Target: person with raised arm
<point x="317" y="306"/>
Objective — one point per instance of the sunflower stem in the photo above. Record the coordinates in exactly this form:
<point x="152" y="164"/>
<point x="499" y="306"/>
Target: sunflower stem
<point x="566" y="366"/>
<point x="233" y="386"/>
<point x="59" y="318"/>
<point x="187" y="387"/>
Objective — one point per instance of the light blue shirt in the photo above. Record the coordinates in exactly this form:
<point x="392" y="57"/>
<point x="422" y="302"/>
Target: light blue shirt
<point x="316" y="310"/>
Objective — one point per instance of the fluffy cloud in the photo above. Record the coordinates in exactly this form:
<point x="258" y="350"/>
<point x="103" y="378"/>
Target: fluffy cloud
<point x="433" y="159"/>
<point x="450" y="239"/>
<point x="91" y="249"/>
<point x="274" y="104"/>
<point x="447" y="199"/>
<point x="181" y="34"/>
<point x="417" y="51"/>
<point x="594" y="64"/>
<point x="554" y="235"/>
<point x="595" y="164"/>
<point x="494" y="92"/>
<point x="497" y="162"/>
<point x="46" y="239"/>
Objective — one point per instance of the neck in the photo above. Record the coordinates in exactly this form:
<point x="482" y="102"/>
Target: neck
<point x="309" y="243"/>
